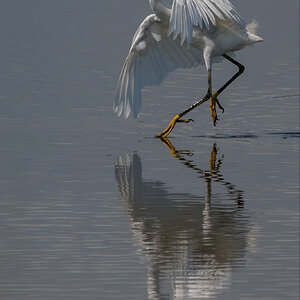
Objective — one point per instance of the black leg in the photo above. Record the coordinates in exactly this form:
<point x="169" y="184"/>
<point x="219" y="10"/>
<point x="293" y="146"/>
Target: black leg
<point x="214" y="99"/>
<point x="177" y="118"/>
<point x="209" y="95"/>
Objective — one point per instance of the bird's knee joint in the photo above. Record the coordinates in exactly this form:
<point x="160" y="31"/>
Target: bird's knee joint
<point x="208" y="94"/>
<point x="241" y="68"/>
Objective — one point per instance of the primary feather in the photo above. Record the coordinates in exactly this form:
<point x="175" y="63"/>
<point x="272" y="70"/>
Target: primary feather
<point x="152" y="57"/>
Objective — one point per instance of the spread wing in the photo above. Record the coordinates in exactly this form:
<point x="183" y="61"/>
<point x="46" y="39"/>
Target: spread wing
<point x="201" y="13"/>
<point x="152" y="57"/>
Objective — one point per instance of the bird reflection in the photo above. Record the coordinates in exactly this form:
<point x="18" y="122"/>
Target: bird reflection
<point x="191" y="243"/>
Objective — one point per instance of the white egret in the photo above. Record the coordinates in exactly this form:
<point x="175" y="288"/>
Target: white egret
<point x="181" y="34"/>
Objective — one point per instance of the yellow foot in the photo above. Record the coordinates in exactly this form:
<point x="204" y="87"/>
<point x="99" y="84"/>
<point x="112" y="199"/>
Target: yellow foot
<point x="213" y="111"/>
<point x="212" y="106"/>
<point x="171" y="126"/>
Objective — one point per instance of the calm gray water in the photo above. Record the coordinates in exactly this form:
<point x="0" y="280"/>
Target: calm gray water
<point x="93" y="207"/>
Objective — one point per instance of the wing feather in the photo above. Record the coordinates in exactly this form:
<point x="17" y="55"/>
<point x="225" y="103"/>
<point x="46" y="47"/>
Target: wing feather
<point x="150" y="65"/>
<point x="201" y="13"/>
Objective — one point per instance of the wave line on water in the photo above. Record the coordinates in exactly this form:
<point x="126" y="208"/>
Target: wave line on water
<point x="286" y="96"/>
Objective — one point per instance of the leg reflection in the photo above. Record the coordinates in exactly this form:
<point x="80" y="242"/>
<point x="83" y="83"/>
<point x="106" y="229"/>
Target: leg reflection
<point x="211" y="175"/>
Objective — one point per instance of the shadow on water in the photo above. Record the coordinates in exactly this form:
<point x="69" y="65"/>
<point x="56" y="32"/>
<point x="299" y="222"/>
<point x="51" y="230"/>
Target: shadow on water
<point x="191" y="243"/>
<point x="283" y="135"/>
<point x="286" y="135"/>
<point x="241" y="136"/>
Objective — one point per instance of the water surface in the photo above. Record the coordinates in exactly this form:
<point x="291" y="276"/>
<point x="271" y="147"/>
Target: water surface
<point x="93" y="207"/>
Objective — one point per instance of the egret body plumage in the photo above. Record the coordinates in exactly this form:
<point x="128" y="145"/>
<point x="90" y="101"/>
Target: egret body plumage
<point x="181" y="34"/>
